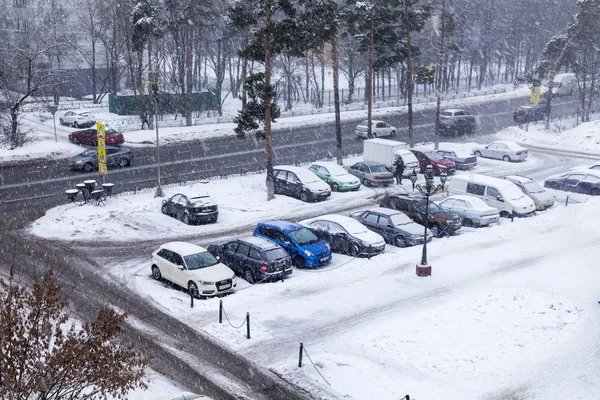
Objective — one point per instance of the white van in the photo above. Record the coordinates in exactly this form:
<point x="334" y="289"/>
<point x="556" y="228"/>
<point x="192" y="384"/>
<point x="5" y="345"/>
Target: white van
<point x="410" y="161"/>
<point x="564" y="84"/>
<point x="498" y="193"/>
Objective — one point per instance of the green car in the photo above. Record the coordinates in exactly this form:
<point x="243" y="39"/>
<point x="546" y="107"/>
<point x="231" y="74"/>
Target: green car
<point x="337" y="177"/>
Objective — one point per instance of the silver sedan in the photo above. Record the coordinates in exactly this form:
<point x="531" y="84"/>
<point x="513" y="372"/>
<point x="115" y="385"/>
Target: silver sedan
<point x="472" y="210"/>
<point x="504" y="150"/>
<point x="371" y="174"/>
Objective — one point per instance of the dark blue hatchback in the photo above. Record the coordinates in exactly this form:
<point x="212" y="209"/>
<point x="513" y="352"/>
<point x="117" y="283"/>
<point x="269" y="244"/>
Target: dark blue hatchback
<point x="305" y="248"/>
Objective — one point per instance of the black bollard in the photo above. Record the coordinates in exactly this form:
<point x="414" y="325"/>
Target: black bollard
<point x="220" y="311"/>
<point x="300" y="354"/>
<point x="191" y="299"/>
<point x="248" y="325"/>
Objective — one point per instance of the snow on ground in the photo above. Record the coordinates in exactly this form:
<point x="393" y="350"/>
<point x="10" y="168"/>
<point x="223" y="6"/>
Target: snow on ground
<point x="41" y="128"/>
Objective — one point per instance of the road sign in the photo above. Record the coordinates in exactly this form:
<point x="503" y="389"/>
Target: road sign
<point x="535" y="94"/>
<point x="101" y="137"/>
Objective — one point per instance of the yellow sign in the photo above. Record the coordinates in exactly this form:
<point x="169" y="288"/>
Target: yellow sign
<point x="535" y="94"/>
<point x="101" y="137"/>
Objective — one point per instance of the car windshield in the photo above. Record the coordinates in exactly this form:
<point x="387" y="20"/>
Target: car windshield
<point x="446" y="114"/>
<point x="304" y="236"/>
<point x="336" y="170"/>
<point x="307" y="176"/>
<point x="378" y="168"/>
<point x="434" y="156"/>
<point x="354" y="227"/>
<point x="400" y="219"/>
<point x="88" y="153"/>
<point x="200" y="260"/>
<point x="512" y="192"/>
<point x="533" y="187"/>
<point x="434" y="208"/>
<point x="199" y="200"/>
<point x="275" y="254"/>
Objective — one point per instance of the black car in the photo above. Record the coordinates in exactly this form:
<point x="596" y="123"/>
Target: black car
<point x="300" y="183"/>
<point x="439" y="221"/>
<point x="530" y="112"/>
<point x="583" y="181"/>
<point x="394" y="226"/>
<point x="462" y="162"/>
<point x="115" y="157"/>
<point x="346" y="235"/>
<point x="455" y="122"/>
<point x="191" y="209"/>
<point x="253" y="258"/>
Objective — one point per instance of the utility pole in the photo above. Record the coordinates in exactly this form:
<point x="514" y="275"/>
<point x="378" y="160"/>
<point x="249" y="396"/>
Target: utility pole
<point x="440" y="77"/>
<point x="370" y="79"/>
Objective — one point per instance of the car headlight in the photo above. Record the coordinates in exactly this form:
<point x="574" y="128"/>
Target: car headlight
<point x="78" y="162"/>
<point x="206" y="283"/>
<point x="442" y="167"/>
<point x="308" y="253"/>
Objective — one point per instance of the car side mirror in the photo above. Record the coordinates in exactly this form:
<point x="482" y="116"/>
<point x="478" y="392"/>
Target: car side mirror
<point x="499" y="198"/>
<point x="180" y="267"/>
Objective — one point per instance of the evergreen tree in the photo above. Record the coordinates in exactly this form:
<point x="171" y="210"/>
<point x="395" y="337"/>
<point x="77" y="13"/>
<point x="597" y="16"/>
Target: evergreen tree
<point x="252" y="117"/>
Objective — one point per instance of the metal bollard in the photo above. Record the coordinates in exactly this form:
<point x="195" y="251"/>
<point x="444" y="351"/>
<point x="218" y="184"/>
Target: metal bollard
<point x="191" y="299"/>
<point x="220" y="311"/>
<point x="300" y="355"/>
<point x="248" y="325"/>
<point x="567" y="201"/>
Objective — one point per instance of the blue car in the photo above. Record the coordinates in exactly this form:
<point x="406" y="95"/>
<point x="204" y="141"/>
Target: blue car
<point x="305" y="248"/>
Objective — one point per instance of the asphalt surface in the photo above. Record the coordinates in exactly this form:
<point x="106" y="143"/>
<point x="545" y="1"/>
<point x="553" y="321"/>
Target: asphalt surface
<point x="32" y="188"/>
<point x="184" y="355"/>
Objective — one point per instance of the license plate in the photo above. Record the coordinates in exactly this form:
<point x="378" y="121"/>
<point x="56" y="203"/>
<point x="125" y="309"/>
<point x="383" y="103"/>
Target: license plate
<point x="324" y="259"/>
<point x="223" y="287"/>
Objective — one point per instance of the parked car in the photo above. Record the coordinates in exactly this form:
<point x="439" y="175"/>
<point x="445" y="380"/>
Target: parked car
<point x="305" y="248"/>
<point x="115" y="157"/>
<point x="193" y="268"/>
<point x="300" y="183"/>
<point x="584" y="181"/>
<point x="541" y="198"/>
<point x="394" y="226"/>
<point x="191" y="209"/>
<point x="504" y="150"/>
<point x="77" y="119"/>
<point x="454" y="121"/>
<point x="184" y="396"/>
<point x="440" y="222"/>
<point x="378" y="129"/>
<point x="88" y="137"/>
<point x="595" y="167"/>
<point x="253" y="258"/>
<point x="462" y="162"/>
<point x="501" y="194"/>
<point x="371" y="174"/>
<point x="336" y="176"/>
<point x="472" y="210"/>
<point x="530" y="112"/>
<point x="439" y="163"/>
<point x="346" y="235"/>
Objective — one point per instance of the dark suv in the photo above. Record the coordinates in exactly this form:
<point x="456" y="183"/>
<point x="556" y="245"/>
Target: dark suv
<point x="253" y="258"/>
<point x="440" y="222"/>
<point x="530" y="112"/>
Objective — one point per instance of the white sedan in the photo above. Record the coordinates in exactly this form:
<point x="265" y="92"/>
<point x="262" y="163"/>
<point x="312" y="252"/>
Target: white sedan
<point x="77" y="120"/>
<point x="504" y="150"/>
<point x="194" y="268"/>
<point x="378" y="129"/>
<point x="472" y="210"/>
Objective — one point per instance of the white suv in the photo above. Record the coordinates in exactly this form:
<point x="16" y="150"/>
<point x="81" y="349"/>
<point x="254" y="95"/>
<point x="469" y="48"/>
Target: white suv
<point x="192" y="267"/>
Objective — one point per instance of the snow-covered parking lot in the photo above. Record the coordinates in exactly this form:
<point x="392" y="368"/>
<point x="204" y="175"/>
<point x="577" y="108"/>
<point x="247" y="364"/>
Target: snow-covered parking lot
<point x="510" y="310"/>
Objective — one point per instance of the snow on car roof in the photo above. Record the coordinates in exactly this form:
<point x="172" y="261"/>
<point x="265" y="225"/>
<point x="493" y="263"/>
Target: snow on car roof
<point x="330" y="166"/>
<point x="452" y="110"/>
<point x="259" y="242"/>
<point x="476" y="202"/>
<point x="510" y="144"/>
<point x="519" y="178"/>
<point x="304" y="174"/>
<point x="384" y="211"/>
<point x="483" y="180"/>
<point x="183" y="248"/>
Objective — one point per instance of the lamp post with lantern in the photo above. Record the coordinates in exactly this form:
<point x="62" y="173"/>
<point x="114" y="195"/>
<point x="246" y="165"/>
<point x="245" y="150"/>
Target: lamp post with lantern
<point x="429" y="189"/>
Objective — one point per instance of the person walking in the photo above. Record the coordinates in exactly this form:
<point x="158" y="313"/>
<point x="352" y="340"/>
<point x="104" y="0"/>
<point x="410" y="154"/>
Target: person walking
<point x="399" y="170"/>
<point x="145" y="119"/>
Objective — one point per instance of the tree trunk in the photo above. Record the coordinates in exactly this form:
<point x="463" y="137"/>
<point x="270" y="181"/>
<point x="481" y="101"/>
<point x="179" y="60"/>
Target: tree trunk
<point x="440" y="78"/>
<point x="150" y="80"/>
<point x="409" y="77"/>
<point x="189" y="60"/>
<point x="336" y="101"/>
<point x="370" y="78"/>
<point x="268" y="145"/>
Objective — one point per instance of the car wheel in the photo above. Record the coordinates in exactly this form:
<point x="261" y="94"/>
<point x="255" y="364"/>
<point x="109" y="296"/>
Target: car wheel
<point x="88" y="167"/>
<point x="156" y="273"/>
<point x="504" y="214"/>
<point x="186" y="219"/>
<point x="304" y="196"/>
<point x="75" y="125"/>
<point x="506" y="158"/>
<point x="467" y="222"/>
<point x="123" y="162"/>
<point x="352" y="250"/>
<point x="249" y="276"/>
<point x="299" y="262"/>
<point x="478" y="153"/>
<point x="75" y="140"/>
<point x="61" y="121"/>
<point x="193" y="290"/>
<point x="595" y="192"/>
<point x="435" y="231"/>
<point x="393" y="133"/>
<point x="400" y="241"/>
<point x="213" y="220"/>
<point x="335" y="187"/>
<point x="164" y="209"/>
<point x="365" y="182"/>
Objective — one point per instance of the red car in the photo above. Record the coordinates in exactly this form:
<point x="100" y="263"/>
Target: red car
<point x="88" y="137"/>
<point x="439" y="163"/>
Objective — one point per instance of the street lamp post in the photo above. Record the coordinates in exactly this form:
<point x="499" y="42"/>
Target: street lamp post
<point x="429" y="189"/>
<point x="159" y="192"/>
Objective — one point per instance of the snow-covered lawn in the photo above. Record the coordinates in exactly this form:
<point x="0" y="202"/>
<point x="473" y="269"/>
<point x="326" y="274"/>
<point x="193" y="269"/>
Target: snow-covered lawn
<point x="586" y="137"/>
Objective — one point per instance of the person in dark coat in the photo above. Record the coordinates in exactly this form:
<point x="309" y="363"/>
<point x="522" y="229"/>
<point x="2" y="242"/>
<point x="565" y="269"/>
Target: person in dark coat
<point x="145" y="119"/>
<point x="399" y="170"/>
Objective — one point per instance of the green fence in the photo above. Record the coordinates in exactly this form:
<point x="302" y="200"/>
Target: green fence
<point x="168" y="103"/>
